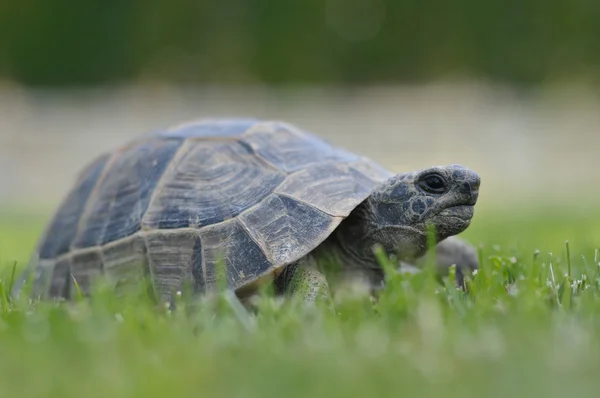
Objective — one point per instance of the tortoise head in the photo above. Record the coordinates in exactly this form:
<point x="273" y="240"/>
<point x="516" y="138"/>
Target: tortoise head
<point x="403" y="210"/>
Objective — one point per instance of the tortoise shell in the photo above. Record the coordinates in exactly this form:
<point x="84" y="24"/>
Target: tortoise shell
<point x="170" y="205"/>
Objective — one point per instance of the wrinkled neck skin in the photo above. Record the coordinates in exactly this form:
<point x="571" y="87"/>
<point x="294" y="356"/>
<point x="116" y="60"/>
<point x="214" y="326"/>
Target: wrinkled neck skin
<point x="347" y="255"/>
<point x="354" y="240"/>
<point x="350" y="248"/>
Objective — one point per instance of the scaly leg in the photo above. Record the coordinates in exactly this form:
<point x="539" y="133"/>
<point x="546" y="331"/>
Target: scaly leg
<point x="303" y="280"/>
<point x="454" y="251"/>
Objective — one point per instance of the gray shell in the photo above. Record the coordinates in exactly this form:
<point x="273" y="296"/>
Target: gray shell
<point x="172" y="205"/>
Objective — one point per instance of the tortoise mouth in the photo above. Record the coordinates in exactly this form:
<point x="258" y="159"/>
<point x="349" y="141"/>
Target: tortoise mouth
<point x="454" y="220"/>
<point x="462" y="212"/>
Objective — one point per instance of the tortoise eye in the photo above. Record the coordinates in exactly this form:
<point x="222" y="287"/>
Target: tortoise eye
<point x="433" y="183"/>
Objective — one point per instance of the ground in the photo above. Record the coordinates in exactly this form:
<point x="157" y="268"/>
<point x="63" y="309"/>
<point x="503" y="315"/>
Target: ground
<point x="529" y="327"/>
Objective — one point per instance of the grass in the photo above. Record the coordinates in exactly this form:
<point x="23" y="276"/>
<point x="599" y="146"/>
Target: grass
<point x="528" y="327"/>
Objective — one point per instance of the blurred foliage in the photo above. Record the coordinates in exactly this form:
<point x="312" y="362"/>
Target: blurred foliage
<point x="311" y="41"/>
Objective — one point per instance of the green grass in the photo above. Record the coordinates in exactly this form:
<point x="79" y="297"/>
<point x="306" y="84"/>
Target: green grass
<point x="524" y="329"/>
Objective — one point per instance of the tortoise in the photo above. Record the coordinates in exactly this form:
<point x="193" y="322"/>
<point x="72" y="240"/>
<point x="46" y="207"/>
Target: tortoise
<point x="261" y="197"/>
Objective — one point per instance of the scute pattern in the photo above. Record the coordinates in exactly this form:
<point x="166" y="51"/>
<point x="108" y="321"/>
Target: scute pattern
<point x="213" y="181"/>
<point x="123" y="195"/>
<point x="60" y="284"/>
<point x="290" y="149"/>
<point x="84" y="267"/>
<point x="372" y="171"/>
<point x="63" y="227"/>
<point x="229" y="244"/>
<point x="125" y="262"/>
<point x="287" y="228"/>
<point x="172" y="258"/>
<point x="173" y="205"/>
<point x="335" y="188"/>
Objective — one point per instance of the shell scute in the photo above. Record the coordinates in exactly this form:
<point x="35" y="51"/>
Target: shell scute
<point x="63" y="227"/>
<point x="290" y="149"/>
<point x="60" y="283"/>
<point x="279" y="224"/>
<point x="84" y="267"/>
<point x="331" y="187"/>
<point x="125" y="262"/>
<point x="211" y="182"/>
<point x="123" y="194"/>
<point x="230" y="245"/>
<point x="173" y="257"/>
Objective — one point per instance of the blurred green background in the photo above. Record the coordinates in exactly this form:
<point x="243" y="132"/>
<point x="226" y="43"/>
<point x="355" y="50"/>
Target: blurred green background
<point x="72" y="42"/>
<point x="508" y="88"/>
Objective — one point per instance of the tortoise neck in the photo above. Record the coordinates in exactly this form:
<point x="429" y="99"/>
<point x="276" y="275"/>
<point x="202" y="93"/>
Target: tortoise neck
<point x="351" y="240"/>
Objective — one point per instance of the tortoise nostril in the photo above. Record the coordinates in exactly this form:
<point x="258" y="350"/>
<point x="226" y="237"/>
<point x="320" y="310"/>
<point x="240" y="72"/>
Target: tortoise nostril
<point x="467" y="188"/>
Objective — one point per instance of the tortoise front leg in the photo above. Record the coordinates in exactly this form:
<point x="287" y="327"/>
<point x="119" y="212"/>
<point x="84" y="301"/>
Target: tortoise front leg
<point x="454" y="251"/>
<point x="303" y="280"/>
